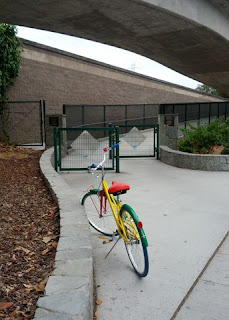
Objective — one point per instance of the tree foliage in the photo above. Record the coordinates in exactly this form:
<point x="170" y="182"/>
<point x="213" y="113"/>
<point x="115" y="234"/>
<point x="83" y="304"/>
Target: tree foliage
<point x="207" y="89"/>
<point x="10" y="57"/>
<point x="210" y="90"/>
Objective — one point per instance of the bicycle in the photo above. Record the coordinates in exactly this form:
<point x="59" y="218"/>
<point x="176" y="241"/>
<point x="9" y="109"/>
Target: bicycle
<point x="108" y="216"/>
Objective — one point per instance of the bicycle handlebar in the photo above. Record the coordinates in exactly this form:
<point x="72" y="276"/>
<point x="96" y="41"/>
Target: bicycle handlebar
<point x="111" y="148"/>
<point x="94" y="167"/>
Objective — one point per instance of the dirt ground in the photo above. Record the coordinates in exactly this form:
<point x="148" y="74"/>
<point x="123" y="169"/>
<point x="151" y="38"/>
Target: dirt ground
<point x="29" y="231"/>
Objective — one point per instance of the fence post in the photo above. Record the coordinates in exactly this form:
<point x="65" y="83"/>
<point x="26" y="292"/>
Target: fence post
<point x="55" y="149"/>
<point x="158" y="141"/>
<point x="126" y="115"/>
<point x="209" y="114"/>
<point x="117" y="149"/>
<point x="185" y="116"/>
<point x="42" y="121"/>
<point x="144" y="114"/>
<point x="110" y="139"/>
<point x="59" y="144"/>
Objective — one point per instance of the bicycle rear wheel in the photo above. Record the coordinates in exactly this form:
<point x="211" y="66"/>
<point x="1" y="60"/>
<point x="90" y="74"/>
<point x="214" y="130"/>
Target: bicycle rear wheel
<point x="136" y="246"/>
<point x="104" y="223"/>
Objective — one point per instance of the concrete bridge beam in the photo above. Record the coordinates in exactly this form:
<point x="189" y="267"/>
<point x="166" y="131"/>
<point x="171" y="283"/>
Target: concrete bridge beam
<point x="191" y="37"/>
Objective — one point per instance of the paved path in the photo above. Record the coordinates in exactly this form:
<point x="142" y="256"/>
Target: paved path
<point x="185" y="216"/>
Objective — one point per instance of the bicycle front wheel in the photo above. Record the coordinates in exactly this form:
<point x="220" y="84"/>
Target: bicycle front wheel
<point x="99" y="213"/>
<point x="137" y="243"/>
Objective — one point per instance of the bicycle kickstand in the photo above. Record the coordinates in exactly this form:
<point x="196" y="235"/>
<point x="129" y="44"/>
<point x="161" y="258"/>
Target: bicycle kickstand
<point x="112" y="247"/>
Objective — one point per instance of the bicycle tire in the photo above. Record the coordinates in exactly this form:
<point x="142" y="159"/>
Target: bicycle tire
<point x="105" y="224"/>
<point x="137" y="246"/>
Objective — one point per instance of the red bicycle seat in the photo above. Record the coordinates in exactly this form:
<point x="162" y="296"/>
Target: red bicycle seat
<point x="118" y="188"/>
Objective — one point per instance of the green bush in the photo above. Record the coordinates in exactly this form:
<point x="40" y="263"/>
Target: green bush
<point x="225" y="151"/>
<point x="203" y="138"/>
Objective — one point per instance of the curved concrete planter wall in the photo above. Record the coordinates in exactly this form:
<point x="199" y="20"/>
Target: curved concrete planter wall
<point x="69" y="290"/>
<point x="185" y="160"/>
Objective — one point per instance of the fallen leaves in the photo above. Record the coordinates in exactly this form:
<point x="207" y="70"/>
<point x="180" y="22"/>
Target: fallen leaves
<point x="29" y="287"/>
<point x="27" y="251"/>
<point x="54" y="244"/>
<point x="47" y="239"/>
<point x="99" y="302"/>
<point x="38" y="287"/>
<point x="51" y="213"/>
<point x="18" y="315"/>
<point x="29" y="269"/>
<point x="44" y="252"/>
<point x="5" y="305"/>
<point x="105" y="239"/>
<point x="12" y="155"/>
<point x="28" y="216"/>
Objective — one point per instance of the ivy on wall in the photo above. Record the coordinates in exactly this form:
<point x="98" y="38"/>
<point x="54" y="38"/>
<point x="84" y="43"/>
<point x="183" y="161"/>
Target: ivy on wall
<point x="10" y="58"/>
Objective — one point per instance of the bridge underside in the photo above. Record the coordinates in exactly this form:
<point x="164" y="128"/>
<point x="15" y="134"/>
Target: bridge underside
<point x="172" y="40"/>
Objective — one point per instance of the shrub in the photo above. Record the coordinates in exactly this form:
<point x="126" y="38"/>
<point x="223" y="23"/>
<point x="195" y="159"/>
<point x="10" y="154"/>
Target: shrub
<point x="203" y="138"/>
<point x="225" y="151"/>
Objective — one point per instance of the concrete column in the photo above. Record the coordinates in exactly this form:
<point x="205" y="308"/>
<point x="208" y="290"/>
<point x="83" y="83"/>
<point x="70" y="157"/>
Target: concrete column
<point x="168" y="130"/>
<point x="51" y="121"/>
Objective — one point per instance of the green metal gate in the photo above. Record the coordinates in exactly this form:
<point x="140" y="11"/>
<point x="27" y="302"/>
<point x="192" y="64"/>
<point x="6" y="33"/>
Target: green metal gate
<point x="139" y="141"/>
<point x="78" y="148"/>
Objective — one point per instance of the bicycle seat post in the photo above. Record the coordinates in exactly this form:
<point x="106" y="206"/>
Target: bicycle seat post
<point x="118" y="198"/>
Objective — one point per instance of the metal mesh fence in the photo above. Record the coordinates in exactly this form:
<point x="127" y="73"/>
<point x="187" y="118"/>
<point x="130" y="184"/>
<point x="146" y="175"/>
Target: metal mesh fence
<point x="138" y="141"/>
<point x="25" y="122"/>
<point x="102" y="115"/>
<point x="137" y="126"/>
<point x="78" y="148"/>
<point x="203" y="112"/>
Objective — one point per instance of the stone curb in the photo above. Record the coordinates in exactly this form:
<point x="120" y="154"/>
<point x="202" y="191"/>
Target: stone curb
<point x="186" y="160"/>
<point x="69" y="290"/>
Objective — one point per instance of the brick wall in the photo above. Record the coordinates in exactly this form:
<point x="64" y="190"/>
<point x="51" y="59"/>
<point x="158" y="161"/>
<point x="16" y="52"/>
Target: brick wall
<point x="62" y="78"/>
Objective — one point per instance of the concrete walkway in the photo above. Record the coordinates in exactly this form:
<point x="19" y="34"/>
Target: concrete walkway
<point x="185" y="216"/>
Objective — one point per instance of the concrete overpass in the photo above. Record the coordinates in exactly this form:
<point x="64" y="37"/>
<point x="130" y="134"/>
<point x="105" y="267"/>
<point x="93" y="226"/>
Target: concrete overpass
<point x="189" y="36"/>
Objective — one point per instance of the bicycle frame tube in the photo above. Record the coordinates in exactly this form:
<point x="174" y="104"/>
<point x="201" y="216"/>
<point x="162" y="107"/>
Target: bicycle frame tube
<point x="115" y="207"/>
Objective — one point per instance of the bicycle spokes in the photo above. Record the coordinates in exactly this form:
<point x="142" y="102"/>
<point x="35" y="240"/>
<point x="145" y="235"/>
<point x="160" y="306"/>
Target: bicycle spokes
<point x="130" y="229"/>
<point x="137" y="253"/>
<point x="100" y="217"/>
